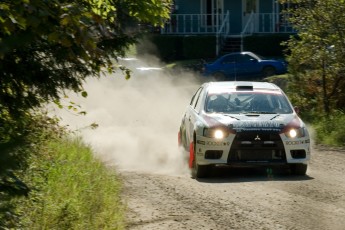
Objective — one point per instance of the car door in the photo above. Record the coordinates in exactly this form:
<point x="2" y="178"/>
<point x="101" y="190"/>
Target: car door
<point x="190" y="117"/>
<point x="247" y="65"/>
<point x="228" y="65"/>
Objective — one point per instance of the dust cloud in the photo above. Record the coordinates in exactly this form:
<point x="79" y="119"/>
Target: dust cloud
<point x="138" y="119"/>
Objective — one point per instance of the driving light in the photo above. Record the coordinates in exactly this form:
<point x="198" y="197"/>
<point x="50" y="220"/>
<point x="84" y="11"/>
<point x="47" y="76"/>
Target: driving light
<point x="295" y="132"/>
<point x="292" y="133"/>
<point x="217" y="133"/>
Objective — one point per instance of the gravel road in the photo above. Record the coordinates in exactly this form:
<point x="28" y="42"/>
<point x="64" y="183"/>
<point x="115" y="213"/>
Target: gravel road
<point x="240" y="198"/>
<point x="137" y="133"/>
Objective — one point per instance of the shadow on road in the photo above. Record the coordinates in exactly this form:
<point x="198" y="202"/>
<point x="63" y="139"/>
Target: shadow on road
<point x="240" y="175"/>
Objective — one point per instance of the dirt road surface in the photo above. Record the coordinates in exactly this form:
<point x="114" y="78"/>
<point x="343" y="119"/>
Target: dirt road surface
<point x="240" y="198"/>
<point x="138" y="120"/>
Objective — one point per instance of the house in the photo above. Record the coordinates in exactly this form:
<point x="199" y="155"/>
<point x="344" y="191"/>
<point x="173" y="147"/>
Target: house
<point x="229" y="20"/>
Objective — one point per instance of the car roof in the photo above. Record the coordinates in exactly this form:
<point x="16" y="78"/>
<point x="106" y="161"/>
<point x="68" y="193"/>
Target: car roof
<point x="242" y="52"/>
<point x="242" y="86"/>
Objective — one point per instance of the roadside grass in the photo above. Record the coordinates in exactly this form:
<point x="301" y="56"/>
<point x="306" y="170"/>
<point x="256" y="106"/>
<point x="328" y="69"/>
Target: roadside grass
<point x="330" y="130"/>
<point x="69" y="187"/>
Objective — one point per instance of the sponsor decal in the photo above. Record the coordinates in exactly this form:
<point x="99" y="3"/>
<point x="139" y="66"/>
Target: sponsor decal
<point x="297" y="142"/>
<point x="215" y="143"/>
<point x="294" y="142"/>
<point x="200" y="142"/>
<point x="257" y="126"/>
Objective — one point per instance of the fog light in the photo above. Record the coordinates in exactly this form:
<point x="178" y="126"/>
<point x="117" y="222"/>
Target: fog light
<point x="219" y="134"/>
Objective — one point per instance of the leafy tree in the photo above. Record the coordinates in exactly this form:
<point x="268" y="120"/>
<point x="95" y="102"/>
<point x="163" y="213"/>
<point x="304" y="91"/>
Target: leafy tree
<point x="48" y="46"/>
<point x="317" y="53"/>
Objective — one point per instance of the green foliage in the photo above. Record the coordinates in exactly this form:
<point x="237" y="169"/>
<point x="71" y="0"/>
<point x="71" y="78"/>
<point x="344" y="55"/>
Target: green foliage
<point x="317" y="54"/>
<point x="266" y="45"/>
<point x="166" y="47"/>
<point x="14" y="162"/>
<point x="61" y="185"/>
<point x="199" y="47"/>
<point x="72" y="190"/>
<point x="330" y="130"/>
<point x="174" y="47"/>
<point x="47" y="47"/>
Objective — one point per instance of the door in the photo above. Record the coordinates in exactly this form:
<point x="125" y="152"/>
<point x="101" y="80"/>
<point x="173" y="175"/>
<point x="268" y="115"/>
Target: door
<point x="213" y="11"/>
<point x="249" y="7"/>
<point x="247" y="66"/>
<point x="237" y="66"/>
<point x="190" y="117"/>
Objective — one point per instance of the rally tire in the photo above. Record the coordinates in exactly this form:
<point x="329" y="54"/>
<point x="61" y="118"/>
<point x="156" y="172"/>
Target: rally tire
<point x="268" y="71"/>
<point x="298" y="169"/>
<point x="199" y="171"/>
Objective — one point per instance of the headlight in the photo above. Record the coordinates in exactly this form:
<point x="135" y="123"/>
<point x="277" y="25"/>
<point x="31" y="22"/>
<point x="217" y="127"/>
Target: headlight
<point x="295" y="133"/>
<point x="217" y="133"/>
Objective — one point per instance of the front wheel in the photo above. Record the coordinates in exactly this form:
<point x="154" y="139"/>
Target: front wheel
<point x="298" y="169"/>
<point x="268" y="71"/>
<point x="198" y="171"/>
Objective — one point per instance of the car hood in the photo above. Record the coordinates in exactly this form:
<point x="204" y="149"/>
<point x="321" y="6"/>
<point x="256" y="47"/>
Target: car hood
<point x="252" y="122"/>
<point x="272" y="61"/>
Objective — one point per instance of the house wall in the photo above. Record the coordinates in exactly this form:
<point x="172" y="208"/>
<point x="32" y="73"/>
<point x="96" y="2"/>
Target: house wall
<point x="265" y="10"/>
<point x="188" y="7"/>
<point x="235" y="9"/>
<point x="265" y="6"/>
<point x="236" y="14"/>
<point x="233" y="6"/>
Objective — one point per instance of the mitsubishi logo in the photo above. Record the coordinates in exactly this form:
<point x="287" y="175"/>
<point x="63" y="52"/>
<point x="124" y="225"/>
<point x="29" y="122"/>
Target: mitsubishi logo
<point x="257" y="138"/>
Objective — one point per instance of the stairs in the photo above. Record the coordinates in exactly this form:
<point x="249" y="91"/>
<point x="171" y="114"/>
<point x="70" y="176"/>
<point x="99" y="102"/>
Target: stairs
<point x="230" y="45"/>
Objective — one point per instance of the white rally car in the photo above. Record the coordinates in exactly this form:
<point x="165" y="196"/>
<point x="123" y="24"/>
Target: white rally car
<point x="243" y="124"/>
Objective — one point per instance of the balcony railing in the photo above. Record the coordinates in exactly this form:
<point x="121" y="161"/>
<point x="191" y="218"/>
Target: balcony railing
<point x="211" y="24"/>
<point x="193" y="24"/>
<point x="271" y="23"/>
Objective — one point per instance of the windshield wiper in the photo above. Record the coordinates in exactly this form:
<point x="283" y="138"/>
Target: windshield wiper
<point x="259" y="112"/>
<point x="231" y="116"/>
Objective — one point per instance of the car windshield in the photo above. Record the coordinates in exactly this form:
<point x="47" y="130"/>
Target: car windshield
<point x="247" y="102"/>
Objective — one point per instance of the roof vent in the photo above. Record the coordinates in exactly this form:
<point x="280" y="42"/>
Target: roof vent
<point x="244" y="87"/>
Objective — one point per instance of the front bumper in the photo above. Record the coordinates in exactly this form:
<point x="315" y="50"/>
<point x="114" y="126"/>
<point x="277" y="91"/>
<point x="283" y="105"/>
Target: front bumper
<point x="252" y="148"/>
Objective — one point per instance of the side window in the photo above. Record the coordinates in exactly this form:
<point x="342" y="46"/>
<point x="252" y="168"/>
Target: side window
<point x="229" y="59"/>
<point x="200" y="101"/>
<point x="195" y="98"/>
<point x="245" y="58"/>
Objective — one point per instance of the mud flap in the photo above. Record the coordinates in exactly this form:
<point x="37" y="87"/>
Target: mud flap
<point x="191" y="154"/>
<point x="179" y="139"/>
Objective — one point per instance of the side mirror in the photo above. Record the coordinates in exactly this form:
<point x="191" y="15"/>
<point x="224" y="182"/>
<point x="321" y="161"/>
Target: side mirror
<point x="297" y="110"/>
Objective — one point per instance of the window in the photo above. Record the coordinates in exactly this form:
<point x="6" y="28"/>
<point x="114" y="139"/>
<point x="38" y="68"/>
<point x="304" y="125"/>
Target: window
<point x="199" y="101"/>
<point x="247" y="102"/>
<point x="195" y="98"/>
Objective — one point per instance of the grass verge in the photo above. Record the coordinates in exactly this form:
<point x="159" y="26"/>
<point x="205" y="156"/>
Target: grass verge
<point x="69" y="189"/>
<point x="330" y="130"/>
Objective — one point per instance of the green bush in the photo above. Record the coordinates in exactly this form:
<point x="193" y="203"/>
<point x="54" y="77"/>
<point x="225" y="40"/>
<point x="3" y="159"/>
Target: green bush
<point x="71" y="190"/>
<point x="179" y="47"/>
<point x="60" y="186"/>
<point x="269" y="45"/>
<point x="175" y="47"/>
<point x="197" y="47"/>
<point x="165" y="47"/>
<point x="330" y="130"/>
